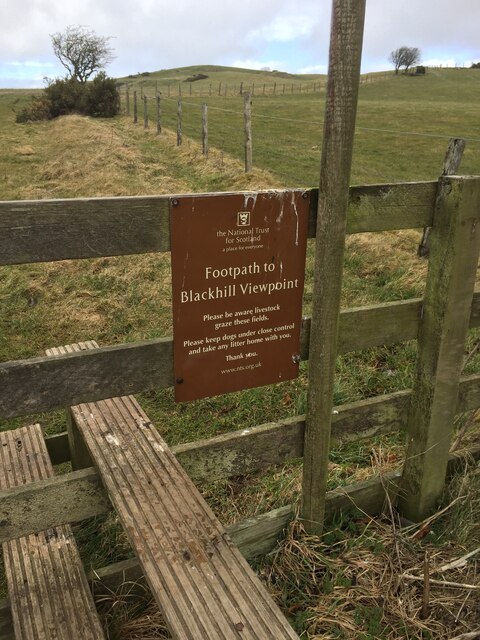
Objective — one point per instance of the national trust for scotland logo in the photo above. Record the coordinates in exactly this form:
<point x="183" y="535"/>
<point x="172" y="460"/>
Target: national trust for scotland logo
<point x="243" y="219"/>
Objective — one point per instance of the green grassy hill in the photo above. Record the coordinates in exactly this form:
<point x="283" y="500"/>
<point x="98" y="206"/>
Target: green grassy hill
<point x="403" y="124"/>
<point x="403" y="128"/>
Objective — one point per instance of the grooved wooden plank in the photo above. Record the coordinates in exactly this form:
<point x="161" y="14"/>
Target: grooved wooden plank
<point x="201" y="582"/>
<point x="49" y="230"/>
<point x="46" y="383"/>
<point x="49" y="592"/>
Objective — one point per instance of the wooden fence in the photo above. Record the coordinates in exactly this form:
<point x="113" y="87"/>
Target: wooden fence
<point x="51" y="230"/>
<point x="206" y="88"/>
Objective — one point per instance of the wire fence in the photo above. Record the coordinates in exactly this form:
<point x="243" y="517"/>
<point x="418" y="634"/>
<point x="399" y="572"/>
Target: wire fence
<point x="287" y="136"/>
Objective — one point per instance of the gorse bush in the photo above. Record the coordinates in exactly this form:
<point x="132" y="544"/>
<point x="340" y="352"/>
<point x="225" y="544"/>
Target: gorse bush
<point x="102" y="98"/>
<point x="98" y="98"/>
<point x="38" y="109"/>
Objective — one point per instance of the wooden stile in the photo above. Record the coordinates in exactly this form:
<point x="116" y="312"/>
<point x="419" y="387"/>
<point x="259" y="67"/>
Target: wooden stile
<point x="202" y="584"/>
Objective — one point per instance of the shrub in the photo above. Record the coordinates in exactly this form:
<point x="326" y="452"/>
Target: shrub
<point x="66" y="96"/>
<point x="420" y="70"/>
<point x="475" y="65"/>
<point x="102" y="99"/>
<point x="40" y="108"/>
<point x="98" y="98"/>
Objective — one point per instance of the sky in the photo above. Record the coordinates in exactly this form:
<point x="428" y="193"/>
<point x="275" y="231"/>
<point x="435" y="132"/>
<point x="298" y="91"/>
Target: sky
<point x="287" y="35"/>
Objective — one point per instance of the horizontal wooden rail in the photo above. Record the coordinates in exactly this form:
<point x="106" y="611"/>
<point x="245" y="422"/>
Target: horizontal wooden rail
<point x="46" y="383"/>
<point x="78" y="495"/>
<point x="50" y="230"/>
<point x="252" y="450"/>
<point x="59" y="500"/>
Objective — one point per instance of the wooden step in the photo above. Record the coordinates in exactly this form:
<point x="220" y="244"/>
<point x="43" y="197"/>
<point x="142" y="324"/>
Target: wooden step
<point x="48" y="589"/>
<point x="203" y="585"/>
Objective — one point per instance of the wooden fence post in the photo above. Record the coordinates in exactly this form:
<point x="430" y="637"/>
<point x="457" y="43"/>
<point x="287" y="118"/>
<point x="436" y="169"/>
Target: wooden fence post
<point x="128" y="102"/>
<point x="346" y="38"/>
<point x="179" y="122"/>
<point x="219" y="88"/>
<point x="247" y="113"/>
<point x="253" y="89"/>
<point x="145" y="112"/>
<point x="241" y="89"/>
<point x="135" y="108"/>
<point x="451" y="165"/>
<point x="159" y="115"/>
<point x="454" y="251"/>
<point x="205" y="129"/>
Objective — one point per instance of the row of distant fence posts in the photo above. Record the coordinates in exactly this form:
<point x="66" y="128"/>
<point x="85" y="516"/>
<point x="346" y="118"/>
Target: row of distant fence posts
<point x="247" y="110"/>
<point x="224" y="89"/>
<point x="259" y="89"/>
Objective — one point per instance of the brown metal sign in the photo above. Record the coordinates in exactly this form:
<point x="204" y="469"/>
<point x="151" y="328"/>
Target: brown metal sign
<point x="238" y="265"/>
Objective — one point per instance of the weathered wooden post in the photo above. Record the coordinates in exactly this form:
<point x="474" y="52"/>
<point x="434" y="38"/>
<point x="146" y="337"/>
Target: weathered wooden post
<point x="205" y="129"/>
<point x="247" y="112"/>
<point x="168" y="90"/>
<point x="159" y="115"/>
<point x="145" y="112"/>
<point x="451" y="165"/>
<point x="253" y="89"/>
<point x="274" y="88"/>
<point x="454" y="251"/>
<point x="135" y="108"/>
<point x="219" y="88"/>
<point x="340" y="112"/>
<point x="179" y="122"/>
<point x="128" y="101"/>
<point x="241" y="89"/>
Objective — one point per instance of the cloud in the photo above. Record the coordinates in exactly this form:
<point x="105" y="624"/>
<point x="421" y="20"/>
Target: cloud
<point x="258" y="65"/>
<point x="315" y="68"/>
<point x="287" y="34"/>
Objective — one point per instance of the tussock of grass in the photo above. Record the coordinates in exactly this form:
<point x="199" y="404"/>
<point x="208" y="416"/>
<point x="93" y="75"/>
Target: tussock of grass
<point x="353" y="584"/>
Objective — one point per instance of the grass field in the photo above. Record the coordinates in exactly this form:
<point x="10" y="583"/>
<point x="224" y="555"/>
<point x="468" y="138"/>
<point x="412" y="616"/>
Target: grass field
<point x="124" y="299"/>
<point x="287" y="130"/>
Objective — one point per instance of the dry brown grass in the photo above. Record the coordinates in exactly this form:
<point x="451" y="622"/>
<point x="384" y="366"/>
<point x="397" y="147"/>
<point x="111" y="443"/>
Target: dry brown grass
<point x="359" y="581"/>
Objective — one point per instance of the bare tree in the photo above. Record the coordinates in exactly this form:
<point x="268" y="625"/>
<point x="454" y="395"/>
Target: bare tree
<point x="81" y="51"/>
<point x="404" y="57"/>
